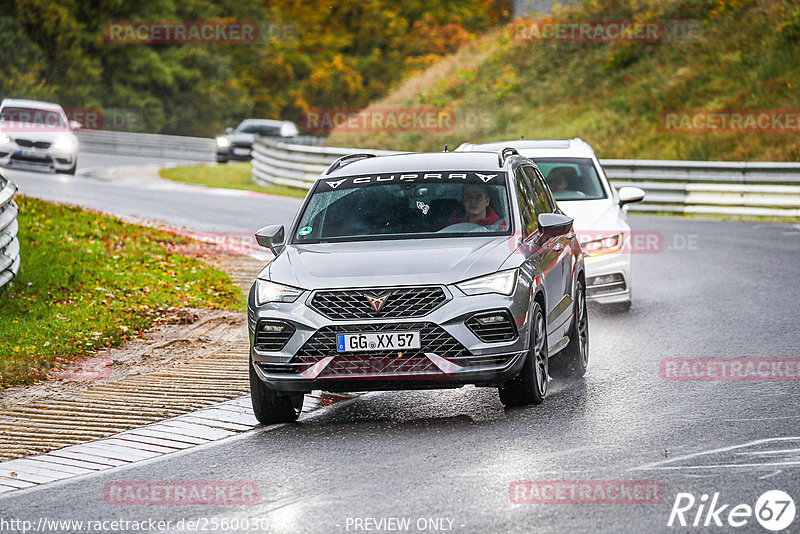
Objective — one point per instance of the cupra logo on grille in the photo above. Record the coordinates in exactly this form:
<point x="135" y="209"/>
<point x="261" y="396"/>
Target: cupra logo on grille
<point x="377" y="302"/>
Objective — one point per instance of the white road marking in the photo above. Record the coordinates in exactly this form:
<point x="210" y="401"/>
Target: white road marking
<point x="670" y="464"/>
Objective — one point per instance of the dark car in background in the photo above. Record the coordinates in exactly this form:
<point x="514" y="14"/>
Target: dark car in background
<point x="418" y="271"/>
<point x="237" y="143"/>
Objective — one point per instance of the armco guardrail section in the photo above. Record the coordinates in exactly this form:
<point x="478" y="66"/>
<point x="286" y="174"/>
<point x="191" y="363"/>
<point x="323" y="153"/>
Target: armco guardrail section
<point x="294" y="165"/>
<point x="142" y="144"/>
<point x="701" y="187"/>
<point x="9" y="245"/>
<point x="711" y="187"/>
<point x="155" y="145"/>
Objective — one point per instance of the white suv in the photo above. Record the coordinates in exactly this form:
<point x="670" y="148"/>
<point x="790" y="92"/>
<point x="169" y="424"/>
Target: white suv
<point x="582" y="191"/>
<point x="37" y="134"/>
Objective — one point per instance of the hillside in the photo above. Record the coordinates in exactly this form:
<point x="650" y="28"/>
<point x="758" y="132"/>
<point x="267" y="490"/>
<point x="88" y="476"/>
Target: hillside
<point x="615" y="95"/>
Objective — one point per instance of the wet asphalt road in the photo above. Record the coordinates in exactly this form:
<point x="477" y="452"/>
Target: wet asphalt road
<point x="717" y="289"/>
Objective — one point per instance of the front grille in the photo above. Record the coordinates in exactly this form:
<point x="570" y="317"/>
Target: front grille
<point x="269" y="338"/>
<point x="26" y="143"/>
<point x="493" y="327"/>
<point x="433" y="339"/>
<point x="378" y="303"/>
<point x="44" y="160"/>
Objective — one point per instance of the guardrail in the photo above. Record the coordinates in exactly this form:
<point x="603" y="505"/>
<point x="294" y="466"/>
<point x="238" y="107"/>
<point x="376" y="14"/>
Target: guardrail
<point x="691" y="187"/>
<point x="9" y="244"/>
<point x="275" y="162"/>
<point x="164" y="146"/>
<point x="711" y="187"/>
<point x="142" y="144"/>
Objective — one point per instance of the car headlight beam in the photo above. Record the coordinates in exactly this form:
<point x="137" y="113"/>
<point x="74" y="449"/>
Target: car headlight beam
<point x="4" y="139"/>
<point x="503" y="283"/>
<point x="267" y="291"/>
<point x="223" y="142"/>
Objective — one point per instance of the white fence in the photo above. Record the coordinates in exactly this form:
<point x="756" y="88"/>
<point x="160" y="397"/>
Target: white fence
<point x="696" y="187"/>
<point x="9" y="244"/>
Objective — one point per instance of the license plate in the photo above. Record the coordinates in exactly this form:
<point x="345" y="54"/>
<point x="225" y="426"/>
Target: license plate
<point x="31" y="153"/>
<point x="241" y="151"/>
<point x="364" y="342"/>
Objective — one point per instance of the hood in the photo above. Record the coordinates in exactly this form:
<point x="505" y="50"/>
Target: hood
<point x="594" y="216"/>
<point x="389" y="263"/>
<point x="37" y="133"/>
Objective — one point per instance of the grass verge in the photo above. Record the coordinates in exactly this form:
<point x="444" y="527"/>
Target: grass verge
<point x="230" y="176"/>
<point x="90" y="281"/>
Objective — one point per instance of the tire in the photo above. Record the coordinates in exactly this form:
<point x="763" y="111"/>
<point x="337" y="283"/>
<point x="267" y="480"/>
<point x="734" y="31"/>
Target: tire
<point x="72" y="169"/>
<point x="269" y="406"/>
<point x="530" y="386"/>
<point x="574" y="359"/>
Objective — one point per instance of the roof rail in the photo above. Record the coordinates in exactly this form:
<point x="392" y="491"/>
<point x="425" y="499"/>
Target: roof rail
<point x="503" y="155"/>
<point x="341" y="162"/>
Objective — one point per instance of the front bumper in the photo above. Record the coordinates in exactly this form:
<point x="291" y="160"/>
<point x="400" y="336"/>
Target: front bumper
<point x="451" y="355"/>
<point x="608" y="278"/>
<point x="57" y="160"/>
<point x="235" y="153"/>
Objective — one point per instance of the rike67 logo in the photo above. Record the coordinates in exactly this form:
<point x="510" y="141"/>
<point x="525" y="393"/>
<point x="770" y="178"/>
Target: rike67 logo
<point x="774" y="510"/>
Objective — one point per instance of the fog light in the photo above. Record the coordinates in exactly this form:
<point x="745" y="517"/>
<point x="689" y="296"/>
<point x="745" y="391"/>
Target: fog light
<point x="606" y="279"/>
<point x="487" y="320"/>
<point x="271" y="327"/>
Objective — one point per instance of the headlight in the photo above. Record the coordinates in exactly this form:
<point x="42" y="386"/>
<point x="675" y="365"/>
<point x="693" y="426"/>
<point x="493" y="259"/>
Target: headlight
<point x="603" y="245"/>
<point x="502" y="283"/>
<point x="223" y="142"/>
<point x="4" y="139"/>
<point x="64" y="143"/>
<point x="272" y="292"/>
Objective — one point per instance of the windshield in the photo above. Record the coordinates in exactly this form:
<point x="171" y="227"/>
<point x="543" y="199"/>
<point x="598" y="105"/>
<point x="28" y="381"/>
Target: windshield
<point x="260" y="129"/>
<point x="571" y="178"/>
<point x="42" y="117"/>
<point x="405" y="206"/>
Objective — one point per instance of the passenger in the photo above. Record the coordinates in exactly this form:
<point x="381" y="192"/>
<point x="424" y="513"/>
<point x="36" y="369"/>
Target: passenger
<point x="475" y="201"/>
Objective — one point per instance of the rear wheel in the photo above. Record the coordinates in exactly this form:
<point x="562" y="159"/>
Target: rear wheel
<point x="574" y="359"/>
<point x="269" y="406"/>
<point x="530" y="386"/>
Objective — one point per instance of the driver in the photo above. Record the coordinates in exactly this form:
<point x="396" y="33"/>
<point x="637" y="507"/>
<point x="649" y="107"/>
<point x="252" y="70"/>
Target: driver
<point x="475" y="200"/>
<point x="557" y="180"/>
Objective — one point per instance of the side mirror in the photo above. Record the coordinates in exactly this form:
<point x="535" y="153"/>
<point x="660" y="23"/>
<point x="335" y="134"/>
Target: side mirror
<point x="554" y="224"/>
<point x="75" y="126"/>
<point x="228" y="130"/>
<point x="628" y="195"/>
<point x="272" y="237"/>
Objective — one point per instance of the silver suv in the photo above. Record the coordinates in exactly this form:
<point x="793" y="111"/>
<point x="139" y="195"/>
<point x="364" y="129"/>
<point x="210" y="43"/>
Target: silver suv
<point x="418" y="271"/>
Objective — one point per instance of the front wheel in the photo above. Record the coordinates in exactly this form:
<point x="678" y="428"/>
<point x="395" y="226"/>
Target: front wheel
<point x="530" y="386"/>
<point x="574" y="359"/>
<point x="269" y="406"/>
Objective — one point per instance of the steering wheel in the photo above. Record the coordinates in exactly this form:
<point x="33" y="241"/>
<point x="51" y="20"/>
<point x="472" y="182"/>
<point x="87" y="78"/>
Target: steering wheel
<point x="462" y="227"/>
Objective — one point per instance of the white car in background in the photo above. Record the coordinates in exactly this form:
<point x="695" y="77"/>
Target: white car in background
<point x="582" y="191"/>
<point x="37" y="134"/>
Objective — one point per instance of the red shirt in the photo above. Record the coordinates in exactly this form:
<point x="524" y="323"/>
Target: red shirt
<point x="491" y="218"/>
